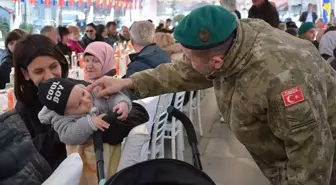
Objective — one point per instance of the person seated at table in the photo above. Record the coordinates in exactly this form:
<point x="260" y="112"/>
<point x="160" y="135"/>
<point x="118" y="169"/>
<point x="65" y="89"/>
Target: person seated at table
<point x="63" y="38"/>
<point x="148" y="55"/>
<point x="99" y="61"/>
<point x="167" y="42"/>
<point x="20" y="163"/>
<point x="6" y="63"/>
<point x="90" y="35"/>
<point x="73" y="42"/>
<point x="50" y="32"/>
<point x="37" y="59"/>
<point x="75" y="114"/>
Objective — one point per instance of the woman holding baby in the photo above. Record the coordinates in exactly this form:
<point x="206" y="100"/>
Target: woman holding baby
<point x="38" y="64"/>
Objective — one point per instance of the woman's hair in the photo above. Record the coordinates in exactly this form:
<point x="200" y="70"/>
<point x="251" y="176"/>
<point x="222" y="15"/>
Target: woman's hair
<point x="164" y="40"/>
<point x="13" y="36"/>
<point x="159" y="27"/>
<point x="27" y="49"/>
<point x="73" y="29"/>
<point x="62" y="31"/>
<point x="100" y="29"/>
<point x="92" y="25"/>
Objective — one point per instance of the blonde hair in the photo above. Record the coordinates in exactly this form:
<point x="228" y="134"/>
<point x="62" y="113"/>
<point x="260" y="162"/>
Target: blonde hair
<point x="164" y="40"/>
<point x="73" y="29"/>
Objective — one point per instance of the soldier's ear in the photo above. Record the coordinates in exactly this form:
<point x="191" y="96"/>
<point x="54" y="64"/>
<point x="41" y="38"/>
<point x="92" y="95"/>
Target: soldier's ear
<point x="218" y="61"/>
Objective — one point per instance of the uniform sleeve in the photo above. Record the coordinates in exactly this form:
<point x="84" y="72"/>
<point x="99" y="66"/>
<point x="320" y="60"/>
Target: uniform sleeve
<point x="168" y="78"/>
<point x="298" y="116"/>
<point x="71" y="131"/>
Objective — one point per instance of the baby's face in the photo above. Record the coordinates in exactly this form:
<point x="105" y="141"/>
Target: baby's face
<point x="80" y="101"/>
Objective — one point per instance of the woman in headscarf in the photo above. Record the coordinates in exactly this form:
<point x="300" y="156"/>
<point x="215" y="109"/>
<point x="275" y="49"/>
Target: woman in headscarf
<point x="98" y="60"/>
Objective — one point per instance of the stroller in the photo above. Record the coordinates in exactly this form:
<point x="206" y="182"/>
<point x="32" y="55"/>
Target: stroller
<point x="157" y="171"/>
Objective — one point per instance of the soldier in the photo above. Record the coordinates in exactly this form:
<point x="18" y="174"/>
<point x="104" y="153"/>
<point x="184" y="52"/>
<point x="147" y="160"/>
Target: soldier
<point x="274" y="90"/>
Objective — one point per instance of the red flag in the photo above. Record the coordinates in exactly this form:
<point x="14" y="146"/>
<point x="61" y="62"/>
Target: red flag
<point x="47" y="2"/>
<point x="71" y="3"/>
<point x="61" y="3"/>
<point x="125" y="4"/>
<point x="97" y="3"/>
<point x="80" y="3"/>
<point x="104" y="4"/>
<point x="89" y="3"/>
<point x="130" y="5"/>
<point x="110" y="4"/>
<point x="116" y="4"/>
<point x="292" y="96"/>
<point x="16" y="1"/>
<point x="32" y="1"/>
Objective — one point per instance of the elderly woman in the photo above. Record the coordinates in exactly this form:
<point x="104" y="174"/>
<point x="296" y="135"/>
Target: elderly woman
<point x="73" y="42"/>
<point x="98" y="60"/>
<point x="167" y="42"/>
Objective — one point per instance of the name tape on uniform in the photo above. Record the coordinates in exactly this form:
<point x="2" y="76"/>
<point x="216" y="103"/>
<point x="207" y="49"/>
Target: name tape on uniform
<point x="292" y="96"/>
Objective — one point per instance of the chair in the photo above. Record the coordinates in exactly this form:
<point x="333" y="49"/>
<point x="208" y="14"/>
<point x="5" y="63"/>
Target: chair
<point x="160" y="120"/>
<point x="175" y="129"/>
<point x="197" y="106"/>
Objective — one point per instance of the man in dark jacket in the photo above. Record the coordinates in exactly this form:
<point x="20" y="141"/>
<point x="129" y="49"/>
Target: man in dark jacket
<point x="309" y="15"/>
<point x="148" y="55"/>
<point x="20" y="163"/>
<point x="90" y="35"/>
<point x="263" y="9"/>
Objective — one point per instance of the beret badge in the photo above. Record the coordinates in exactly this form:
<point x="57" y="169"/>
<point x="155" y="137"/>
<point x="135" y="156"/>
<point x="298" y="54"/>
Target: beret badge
<point x="204" y="36"/>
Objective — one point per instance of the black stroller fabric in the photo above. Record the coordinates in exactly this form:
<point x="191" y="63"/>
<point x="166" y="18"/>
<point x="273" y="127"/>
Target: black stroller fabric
<point x="161" y="172"/>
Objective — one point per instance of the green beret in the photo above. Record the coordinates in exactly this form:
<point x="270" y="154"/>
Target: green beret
<point x="305" y="27"/>
<point x="205" y="27"/>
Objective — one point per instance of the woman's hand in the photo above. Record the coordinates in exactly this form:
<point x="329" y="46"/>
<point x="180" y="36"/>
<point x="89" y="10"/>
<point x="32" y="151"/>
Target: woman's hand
<point x="122" y="110"/>
<point x="99" y="123"/>
<point x="110" y="85"/>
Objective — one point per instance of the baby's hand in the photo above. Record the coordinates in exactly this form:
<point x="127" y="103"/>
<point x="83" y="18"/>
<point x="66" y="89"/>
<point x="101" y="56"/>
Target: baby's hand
<point x="99" y="123"/>
<point x="121" y="108"/>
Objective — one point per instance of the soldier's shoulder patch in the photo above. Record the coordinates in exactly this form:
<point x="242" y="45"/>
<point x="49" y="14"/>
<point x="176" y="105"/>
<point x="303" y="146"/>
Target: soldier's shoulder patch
<point x="292" y="96"/>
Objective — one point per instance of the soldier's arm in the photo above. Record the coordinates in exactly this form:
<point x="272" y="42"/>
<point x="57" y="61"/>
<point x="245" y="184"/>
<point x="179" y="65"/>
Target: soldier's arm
<point x="299" y="117"/>
<point x="168" y="78"/>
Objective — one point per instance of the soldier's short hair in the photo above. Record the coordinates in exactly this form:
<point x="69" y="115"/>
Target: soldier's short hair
<point x="46" y="29"/>
<point x="142" y="33"/>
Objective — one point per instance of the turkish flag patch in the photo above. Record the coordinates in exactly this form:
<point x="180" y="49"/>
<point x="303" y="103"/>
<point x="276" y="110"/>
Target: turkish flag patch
<point x="292" y="96"/>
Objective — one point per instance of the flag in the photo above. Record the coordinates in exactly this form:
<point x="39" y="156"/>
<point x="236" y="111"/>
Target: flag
<point x="125" y="4"/>
<point x="115" y="4"/>
<point x="97" y="3"/>
<point x="130" y="5"/>
<point x="41" y="1"/>
<point x="53" y="2"/>
<point x="85" y="3"/>
<point x="15" y="1"/>
<point x="110" y="4"/>
<point x="104" y="4"/>
<point x="61" y="3"/>
<point x="47" y="2"/>
<point x="71" y="3"/>
<point x="326" y="11"/>
<point x="121" y="2"/>
<point x="66" y="3"/>
<point x="80" y="3"/>
<point x="23" y="1"/>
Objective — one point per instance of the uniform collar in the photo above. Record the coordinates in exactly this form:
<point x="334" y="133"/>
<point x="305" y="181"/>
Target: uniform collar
<point x="239" y="54"/>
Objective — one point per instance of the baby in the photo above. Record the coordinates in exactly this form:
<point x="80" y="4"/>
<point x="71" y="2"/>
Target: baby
<point x="75" y="114"/>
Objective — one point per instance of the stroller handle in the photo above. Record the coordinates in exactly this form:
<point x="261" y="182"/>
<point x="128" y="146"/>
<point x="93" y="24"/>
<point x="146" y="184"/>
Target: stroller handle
<point x="98" y="148"/>
<point x="192" y="138"/>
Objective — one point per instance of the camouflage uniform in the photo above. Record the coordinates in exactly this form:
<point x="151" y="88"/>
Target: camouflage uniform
<point x="292" y="145"/>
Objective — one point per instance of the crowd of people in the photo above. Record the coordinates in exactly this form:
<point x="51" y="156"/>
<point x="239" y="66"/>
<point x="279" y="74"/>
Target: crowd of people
<point x="275" y="87"/>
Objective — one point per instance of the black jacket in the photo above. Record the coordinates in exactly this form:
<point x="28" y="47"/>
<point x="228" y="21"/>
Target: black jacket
<point x="64" y="48"/>
<point x="304" y="15"/>
<point x="6" y="65"/>
<point x="266" y="12"/>
<point x="86" y="40"/>
<point x="20" y="163"/>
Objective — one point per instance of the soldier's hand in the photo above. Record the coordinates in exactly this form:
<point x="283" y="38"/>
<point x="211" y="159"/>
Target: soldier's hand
<point x="110" y="85"/>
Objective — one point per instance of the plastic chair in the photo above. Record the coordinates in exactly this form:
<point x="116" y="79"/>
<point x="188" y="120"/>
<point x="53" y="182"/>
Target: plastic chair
<point x="160" y="120"/>
<point x="197" y="106"/>
<point x="174" y="129"/>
